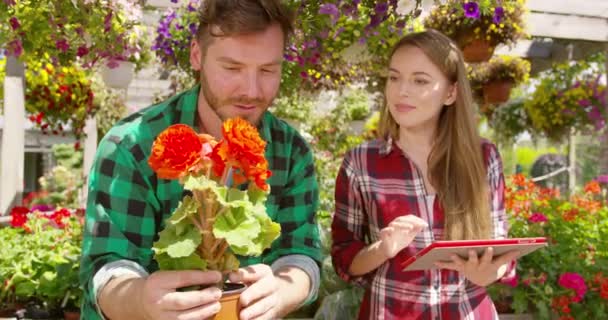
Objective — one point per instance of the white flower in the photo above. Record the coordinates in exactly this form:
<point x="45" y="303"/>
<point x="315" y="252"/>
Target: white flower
<point x="356" y="53"/>
<point x="405" y="7"/>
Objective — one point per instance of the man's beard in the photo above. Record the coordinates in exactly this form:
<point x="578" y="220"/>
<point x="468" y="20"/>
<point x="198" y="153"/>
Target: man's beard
<point x="215" y="103"/>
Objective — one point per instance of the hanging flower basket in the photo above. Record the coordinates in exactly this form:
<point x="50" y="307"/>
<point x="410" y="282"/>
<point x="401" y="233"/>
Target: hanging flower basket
<point x="477" y="50"/>
<point x="497" y="91"/>
<point x="118" y="74"/>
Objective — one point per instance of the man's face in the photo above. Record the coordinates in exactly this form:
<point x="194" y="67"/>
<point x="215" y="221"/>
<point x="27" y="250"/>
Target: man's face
<point x="240" y="75"/>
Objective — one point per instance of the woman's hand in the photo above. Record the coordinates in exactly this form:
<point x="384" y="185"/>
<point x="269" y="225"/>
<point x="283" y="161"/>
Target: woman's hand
<point x="481" y="272"/>
<point x="399" y="234"/>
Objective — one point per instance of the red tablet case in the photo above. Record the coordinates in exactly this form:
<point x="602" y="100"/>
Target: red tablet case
<point x="441" y="250"/>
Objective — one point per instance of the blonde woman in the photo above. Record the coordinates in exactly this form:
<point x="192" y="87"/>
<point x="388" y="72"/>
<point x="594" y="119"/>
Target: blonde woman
<point x="429" y="176"/>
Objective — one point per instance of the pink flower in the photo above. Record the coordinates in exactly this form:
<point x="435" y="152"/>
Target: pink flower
<point x="537" y="218"/>
<point x="62" y="45"/>
<point x="510" y="281"/>
<point x="14" y="23"/>
<point x="574" y="281"/>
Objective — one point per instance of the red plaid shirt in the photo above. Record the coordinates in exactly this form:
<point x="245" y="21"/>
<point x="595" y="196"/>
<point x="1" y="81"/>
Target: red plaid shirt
<point x="376" y="184"/>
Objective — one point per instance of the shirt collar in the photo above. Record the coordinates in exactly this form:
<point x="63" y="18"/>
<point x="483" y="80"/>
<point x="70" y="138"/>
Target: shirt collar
<point x="386" y="146"/>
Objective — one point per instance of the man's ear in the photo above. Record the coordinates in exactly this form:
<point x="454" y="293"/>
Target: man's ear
<point x="195" y="55"/>
<point x="452" y="94"/>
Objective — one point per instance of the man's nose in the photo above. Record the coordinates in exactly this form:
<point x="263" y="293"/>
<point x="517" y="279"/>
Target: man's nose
<point x="252" y="86"/>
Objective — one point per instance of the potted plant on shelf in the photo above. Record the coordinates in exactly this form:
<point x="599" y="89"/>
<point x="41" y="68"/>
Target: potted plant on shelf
<point x="219" y="220"/>
<point x="479" y="26"/>
<point x="495" y="78"/>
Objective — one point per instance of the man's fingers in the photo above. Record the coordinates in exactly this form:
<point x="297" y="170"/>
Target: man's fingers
<point x="198" y="313"/>
<point x="261" y="309"/>
<point x="190" y="299"/>
<point x="250" y="274"/>
<point x="257" y="290"/>
<point x="180" y="279"/>
<point x="506" y="257"/>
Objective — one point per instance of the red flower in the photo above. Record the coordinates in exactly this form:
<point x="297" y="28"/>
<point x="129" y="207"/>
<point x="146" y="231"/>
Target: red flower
<point x="570" y="215"/>
<point x="241" y="148"/>
<point x="574" y="281"/>
<point x="19" y="216"/>
<point x="177" y="150"/>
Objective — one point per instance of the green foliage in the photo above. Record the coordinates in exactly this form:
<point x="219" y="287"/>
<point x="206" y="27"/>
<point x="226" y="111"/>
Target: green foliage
<point x="357" y="102"/>
<point x="527" y="155"/>
<point x="111" y="107"/>
<point x="242" y="222"/>
<point x="297" y="107"/>
<point x="40" y="262"/>
<point x="576" y="229"/>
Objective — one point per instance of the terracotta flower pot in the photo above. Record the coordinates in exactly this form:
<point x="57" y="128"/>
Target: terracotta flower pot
<point x="497" y="91"/>
<point x="230" y="302"/>
<point x="71" y="314"/>
<point x="476" y="50"/>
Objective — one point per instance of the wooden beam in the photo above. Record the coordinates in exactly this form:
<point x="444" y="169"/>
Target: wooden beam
<point x="562" y="26"/>
<point x="590" y="8"/>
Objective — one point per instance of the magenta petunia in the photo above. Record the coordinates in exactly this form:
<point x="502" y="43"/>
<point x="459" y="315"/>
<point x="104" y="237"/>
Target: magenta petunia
<point x="537" y="218"/>
<point x="574" y="281"/>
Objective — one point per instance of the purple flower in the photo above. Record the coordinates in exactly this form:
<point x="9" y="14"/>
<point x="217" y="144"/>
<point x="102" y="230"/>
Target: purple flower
<point x="537" y="218"/>
<point x="471" y="10"/>
<point x="14" y="23"/>
<point x="107" y="22"/>
<point x="174" y="1"/>
<point x="603" y="179"/>
<point x="499" y="12"/>
<point x="42" y="207"/>
<point x="584" y="102"/>
<point x="381" y="8"/>
<point x="193" y="28"/>
<point x="62" y="45"/>
<point x="330" y="9"/>
<point x="191" y="8"/>
<point x="10" y="2"/>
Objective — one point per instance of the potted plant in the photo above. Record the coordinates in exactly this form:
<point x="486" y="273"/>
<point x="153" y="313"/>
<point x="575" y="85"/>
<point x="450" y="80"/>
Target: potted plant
<point x="133" y="49"/>
<point x="497" y="77"/>
<point x="67" y="30"/>
<point x="562" y="102"/>
<point x="478" y="26"/>
<point x="569" y="278"/>
<point x="219" y="220"/>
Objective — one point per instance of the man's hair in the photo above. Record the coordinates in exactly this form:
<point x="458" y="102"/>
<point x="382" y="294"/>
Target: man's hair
<point x="236" y="17"/>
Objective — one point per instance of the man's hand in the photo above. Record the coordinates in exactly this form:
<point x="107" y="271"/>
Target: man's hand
<point x="481" y="272"/>
<point x="157" y="296"/>
<point x="260" y="300"/>
<point x="399" y="234"/>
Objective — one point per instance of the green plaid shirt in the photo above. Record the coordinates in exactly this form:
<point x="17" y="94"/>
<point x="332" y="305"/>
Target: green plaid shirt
<point x="127" y="203"/>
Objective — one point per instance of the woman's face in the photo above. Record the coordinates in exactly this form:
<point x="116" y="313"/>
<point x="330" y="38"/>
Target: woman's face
<point x="416" y="89"/>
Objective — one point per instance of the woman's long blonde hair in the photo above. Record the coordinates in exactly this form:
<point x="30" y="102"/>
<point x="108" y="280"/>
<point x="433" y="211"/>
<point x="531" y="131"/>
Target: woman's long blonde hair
<point x="455" y="165"/>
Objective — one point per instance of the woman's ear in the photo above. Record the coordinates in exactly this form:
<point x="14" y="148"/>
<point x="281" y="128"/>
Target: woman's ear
<point x="452" y="94"/>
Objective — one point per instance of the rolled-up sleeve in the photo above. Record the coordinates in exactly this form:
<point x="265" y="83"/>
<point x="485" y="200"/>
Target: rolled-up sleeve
<point x="349" y="225"/>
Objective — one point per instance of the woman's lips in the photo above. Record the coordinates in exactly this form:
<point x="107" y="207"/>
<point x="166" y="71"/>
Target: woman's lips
<point x="402" y="107"/>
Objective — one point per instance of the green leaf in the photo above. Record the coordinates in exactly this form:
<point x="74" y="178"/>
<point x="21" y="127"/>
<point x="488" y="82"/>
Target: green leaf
<point x="520" y="302"/>
<point x="543" y="310"/>
<point x="191" y="262"/>
<point x="177" y="245"/>
<point x="256" y="195"/>
<point x="186" y="208"/>
<point x="181" y="248"/>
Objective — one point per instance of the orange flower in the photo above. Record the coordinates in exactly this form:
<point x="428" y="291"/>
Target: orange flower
<point x="242" y="148"/>
<point x="570" y="215"/>
<point x="177" y="150"/>
<point x="593" y="187"/>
